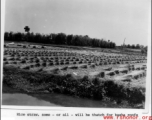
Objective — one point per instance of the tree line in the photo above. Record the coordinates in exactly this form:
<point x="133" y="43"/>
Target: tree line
<point x="133" y="46"/>
<point x="59" y="39"/>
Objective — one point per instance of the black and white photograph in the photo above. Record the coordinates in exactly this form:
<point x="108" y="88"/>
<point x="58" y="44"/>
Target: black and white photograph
<point x="76" y="53"/>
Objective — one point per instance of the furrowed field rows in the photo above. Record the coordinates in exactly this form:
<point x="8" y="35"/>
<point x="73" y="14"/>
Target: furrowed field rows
<point x="58" y="60"/>
<point x="81" y="73"/>
<point x="119" y="68"/>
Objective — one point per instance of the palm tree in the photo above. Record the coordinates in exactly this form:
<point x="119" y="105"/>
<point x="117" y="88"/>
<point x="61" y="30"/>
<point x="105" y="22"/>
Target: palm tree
<point x="27" y="30"/>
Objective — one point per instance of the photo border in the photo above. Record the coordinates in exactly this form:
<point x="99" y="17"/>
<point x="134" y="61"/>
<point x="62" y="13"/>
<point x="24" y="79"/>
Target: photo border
<point x="148" y="81"/>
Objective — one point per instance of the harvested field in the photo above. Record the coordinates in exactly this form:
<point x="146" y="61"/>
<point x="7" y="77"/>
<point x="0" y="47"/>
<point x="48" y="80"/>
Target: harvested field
<point x="87" y="74"/>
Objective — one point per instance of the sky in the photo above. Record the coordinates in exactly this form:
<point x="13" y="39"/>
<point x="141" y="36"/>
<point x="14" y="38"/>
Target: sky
<point x="112" y="20"/>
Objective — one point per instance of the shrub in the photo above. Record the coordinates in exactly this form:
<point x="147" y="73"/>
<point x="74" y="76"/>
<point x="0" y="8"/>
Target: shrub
<point x="57" y="63"/>
<point x="19" y="45"/>
<point x="111" y="73"/>
<point x="74" y="62"/>
<point x="83" y="66"/>
<point x="31" y="66"/>
<point x="102" y="74"/>
<point x="136" y="76"/>
<point x="96" y="81"/>
<point x="55" y="70"/>
<point x="117" y="71"/>
<point x="24" y="46"/>
<point x="114" y="63"/>
<point x="5" y="59"/>
<point x="142" y="68"/>
<point x="64" y="68"/>
<point x="44" y="60"/>
<point x="18" y="58"/>
<point x="108" y="69"/>
<point x="124" y="71"/>
<point x="144" y="74"/>
<point x="37" y="65"/>
<point x="85" y="80"/>
<point x="141" y="75"/>
<point x="89" y="63"/>
<point x="14" y="62"/>
<point x="34" y="46"/>
<point x="6" y="62"/>
<point x="57" y="89"/>
<point x="27" y="68"/>
<point x="105" y="63"/>
<point x="129" y="68"/>
<point x="98" y="92"/>
<point x="42" y="47"/>
<point x="44" y="64"/>
<point x="40" y="70"/>
<point x="23" y="61"/>
<point x="67" y="60"/>
<point x="135" y="95"/>
<point x="92" y="66"/>
<point x="77" y="59"/>
<point x="37" y="61"/>
<point x="5" y="46"/>
<point x="51" y="63"/>
<point x="138" y="68"/>
<point x="61" y="63"/>
<point x="73" y="67"/>
<point x="100" y="63"/>
<point x="12" y="59"/>
<point x="114" y="90"/>
<point x="5" y="53"/>
<point x="126" y="80"/>
<point x="71" y="60"/>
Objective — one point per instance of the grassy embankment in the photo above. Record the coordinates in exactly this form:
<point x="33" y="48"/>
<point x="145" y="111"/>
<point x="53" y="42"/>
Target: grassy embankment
<point x="94" y="88"/>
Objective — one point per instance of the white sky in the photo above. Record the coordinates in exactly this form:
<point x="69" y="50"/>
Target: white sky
<point x="109" y="19"/>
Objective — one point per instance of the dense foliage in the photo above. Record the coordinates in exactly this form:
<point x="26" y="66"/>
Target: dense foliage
<point x="137" y="46"/>
<point x="59" y="39"/>
<point x="85" y="87"/>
